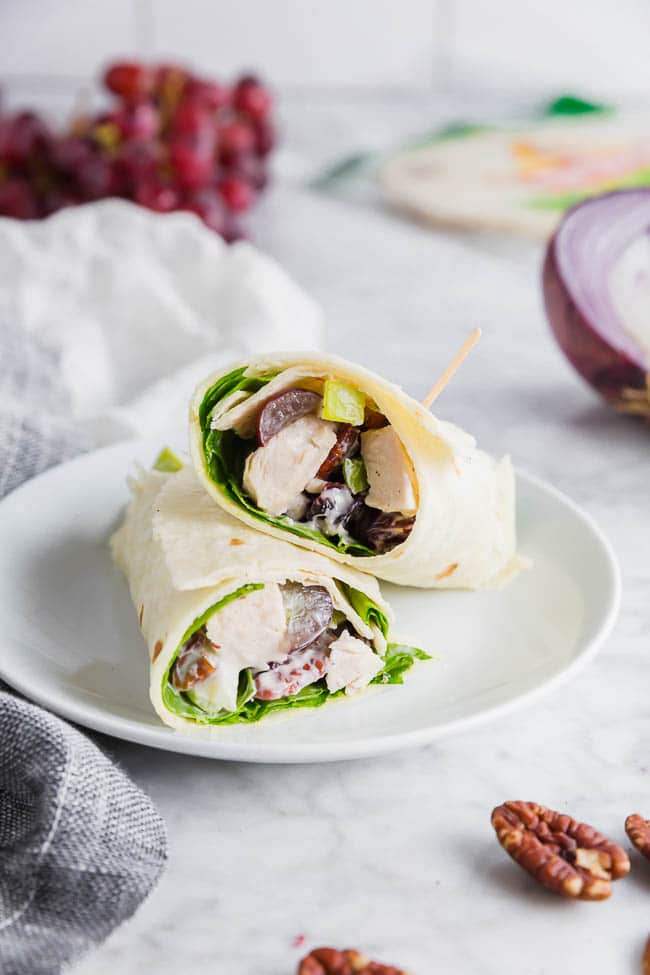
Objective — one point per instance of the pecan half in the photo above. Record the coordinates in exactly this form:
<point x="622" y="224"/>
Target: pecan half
<point x="565" y="856"/>
<point x="638" y="830"/>
<point x="330" y="961"/>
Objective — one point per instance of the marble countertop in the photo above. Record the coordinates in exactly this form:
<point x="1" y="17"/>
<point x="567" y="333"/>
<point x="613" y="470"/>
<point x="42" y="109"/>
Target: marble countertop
<point x="396" y="855"/>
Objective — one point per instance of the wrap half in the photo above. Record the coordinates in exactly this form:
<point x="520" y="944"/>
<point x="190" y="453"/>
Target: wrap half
<point x="238" y="624"/>
<point x="336" y="459"/>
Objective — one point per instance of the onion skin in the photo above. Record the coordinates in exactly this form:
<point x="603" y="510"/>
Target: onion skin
<point x="619" y="378"/>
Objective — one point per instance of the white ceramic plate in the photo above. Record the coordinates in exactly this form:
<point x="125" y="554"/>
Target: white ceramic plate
<point x="70" y="640"/>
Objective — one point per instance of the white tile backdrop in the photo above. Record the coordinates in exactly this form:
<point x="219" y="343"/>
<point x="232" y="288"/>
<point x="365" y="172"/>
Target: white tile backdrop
<point x="590" y="45"/>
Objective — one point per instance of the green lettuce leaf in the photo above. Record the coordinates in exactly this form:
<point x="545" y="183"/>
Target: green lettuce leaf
<point x="368" y="611"/>
<point x="225" y="455"/>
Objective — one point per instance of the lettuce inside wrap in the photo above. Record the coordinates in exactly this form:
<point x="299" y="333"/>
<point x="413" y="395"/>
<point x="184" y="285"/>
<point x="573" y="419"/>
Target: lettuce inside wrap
<point x="225" y="455"/>
<point x="397" y="660"/>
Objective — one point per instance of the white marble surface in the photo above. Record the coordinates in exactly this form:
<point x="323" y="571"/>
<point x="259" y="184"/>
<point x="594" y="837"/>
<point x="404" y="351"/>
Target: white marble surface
<point x="396" y="855"/>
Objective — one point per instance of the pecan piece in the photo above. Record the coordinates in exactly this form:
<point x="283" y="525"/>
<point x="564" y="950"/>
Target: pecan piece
<point x="347" y="442"/>
<point x="330" y="961"/>
<point x="638" y="830"/>
<point x="568" y="857"/>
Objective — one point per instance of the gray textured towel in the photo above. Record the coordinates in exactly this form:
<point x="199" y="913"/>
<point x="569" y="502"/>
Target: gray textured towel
<point x="80" y="845"/>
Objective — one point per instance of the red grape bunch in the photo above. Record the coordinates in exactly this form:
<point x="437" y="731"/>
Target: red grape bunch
<point x="170" y="141"/>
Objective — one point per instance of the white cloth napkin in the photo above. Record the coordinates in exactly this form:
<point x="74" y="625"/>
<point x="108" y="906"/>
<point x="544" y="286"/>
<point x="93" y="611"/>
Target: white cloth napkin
<point x="140" y="306"/>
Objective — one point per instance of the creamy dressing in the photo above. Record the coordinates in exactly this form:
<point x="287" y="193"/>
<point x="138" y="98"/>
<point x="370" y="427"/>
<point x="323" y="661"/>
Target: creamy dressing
<point x="629" y="289"/>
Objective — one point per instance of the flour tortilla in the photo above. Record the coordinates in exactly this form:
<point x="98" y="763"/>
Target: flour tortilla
<point x="464" y="532"/>
<point x="474" y="181"/>
<point x="182" y="554"/>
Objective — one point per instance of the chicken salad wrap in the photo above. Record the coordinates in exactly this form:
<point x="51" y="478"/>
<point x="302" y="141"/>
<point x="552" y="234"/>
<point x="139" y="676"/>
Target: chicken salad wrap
<point x="332" y="457"/>
<point x="240" y="625"/>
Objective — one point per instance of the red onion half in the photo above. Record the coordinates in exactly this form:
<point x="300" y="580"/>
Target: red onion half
<point x="596" y="282"/>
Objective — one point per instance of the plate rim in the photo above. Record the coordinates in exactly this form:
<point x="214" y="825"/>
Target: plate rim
<point x="166" y="739"/>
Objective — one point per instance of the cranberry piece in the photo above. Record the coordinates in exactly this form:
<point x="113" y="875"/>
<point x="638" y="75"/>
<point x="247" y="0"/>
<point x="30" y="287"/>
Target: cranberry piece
<point x="252" y="98"/>
<point x="237" y="194"/>
<point x="131" y="81"/>
<point x="18" y="200"/>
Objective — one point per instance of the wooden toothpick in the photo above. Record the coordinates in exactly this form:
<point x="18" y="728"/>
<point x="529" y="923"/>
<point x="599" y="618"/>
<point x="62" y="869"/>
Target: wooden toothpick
<point x="462" y="354"/>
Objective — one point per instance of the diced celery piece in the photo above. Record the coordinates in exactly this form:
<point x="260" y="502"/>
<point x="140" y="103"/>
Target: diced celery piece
<point x="354" y="474"/>
<point x="167" y="462"/>
<point x="343" y="403"/>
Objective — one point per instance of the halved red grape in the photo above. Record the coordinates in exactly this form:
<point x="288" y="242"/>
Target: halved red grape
<point x="597" y="291"/>
<point x="309" y="610"/>
<point x="347" y="443"/>
<point x="284" y="408"/>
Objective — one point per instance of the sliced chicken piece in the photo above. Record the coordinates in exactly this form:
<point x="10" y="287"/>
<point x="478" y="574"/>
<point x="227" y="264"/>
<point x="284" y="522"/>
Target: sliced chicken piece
<point x="352" y="664"/>
<point x="276" y="474"/>
<point x="390" y="473"/>
<point x="247" y="632"/>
